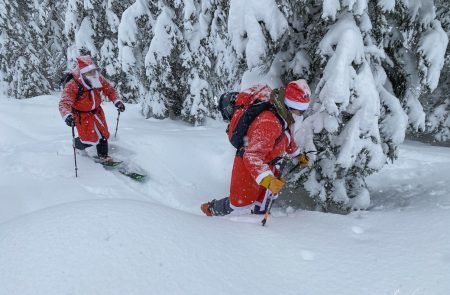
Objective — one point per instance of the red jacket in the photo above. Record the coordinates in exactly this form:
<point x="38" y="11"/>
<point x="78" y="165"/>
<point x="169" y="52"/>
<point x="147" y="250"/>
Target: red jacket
<point x="264" y="144"/>
<point x="87" y="111"/>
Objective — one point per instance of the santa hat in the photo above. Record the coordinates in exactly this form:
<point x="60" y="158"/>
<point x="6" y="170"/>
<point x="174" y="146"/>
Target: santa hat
<point x="85" y="64"/>
<point x="296" y="95"/>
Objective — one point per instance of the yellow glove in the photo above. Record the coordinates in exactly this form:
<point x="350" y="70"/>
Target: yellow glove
<point x="272" y="183"/>
<point x="303" y="160"/>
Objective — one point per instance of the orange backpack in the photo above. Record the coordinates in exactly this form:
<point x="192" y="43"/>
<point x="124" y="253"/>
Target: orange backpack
<point x="247" y="106"/>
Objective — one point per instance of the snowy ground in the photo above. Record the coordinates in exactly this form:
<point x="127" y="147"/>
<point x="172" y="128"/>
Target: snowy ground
<point x="102" y="233"/>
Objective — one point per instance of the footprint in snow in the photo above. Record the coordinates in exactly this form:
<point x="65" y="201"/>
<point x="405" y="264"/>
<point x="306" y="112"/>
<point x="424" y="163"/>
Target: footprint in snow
<point x="357" y="230"/>
<point x="307" y="255"/>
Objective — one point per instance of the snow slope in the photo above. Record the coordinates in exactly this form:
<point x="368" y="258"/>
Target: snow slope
<point x="102" y="233"/>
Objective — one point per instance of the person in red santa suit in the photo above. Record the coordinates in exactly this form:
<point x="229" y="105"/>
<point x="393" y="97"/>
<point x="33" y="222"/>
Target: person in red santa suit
<point x="80" y="105"/>
<point x="254" y="176"/>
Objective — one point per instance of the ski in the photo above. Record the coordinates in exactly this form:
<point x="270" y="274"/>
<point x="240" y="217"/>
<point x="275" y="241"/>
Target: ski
<point x="109" y="162"/>
<point x="122" y="167"/>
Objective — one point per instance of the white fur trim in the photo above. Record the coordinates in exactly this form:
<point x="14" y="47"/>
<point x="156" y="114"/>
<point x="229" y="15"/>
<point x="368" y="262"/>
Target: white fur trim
<point x="288" y="135"/>
<point x="262" y="175"/>
<point x="88" y="68"/>
<point x="91" y="92"/>
<point x="296" y="153"/>
<point x="90" y="142"/>
<point x="296" y="105"/>
<point x="266" y="196"/>
<point x="273" y="197"/>
<point x="99" y="134"/>
<point x="242" y="209"/>
<point x="99" y="121"/>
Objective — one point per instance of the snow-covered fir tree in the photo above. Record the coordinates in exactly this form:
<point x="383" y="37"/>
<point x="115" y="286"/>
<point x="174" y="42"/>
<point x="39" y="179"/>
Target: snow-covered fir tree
<point x="22" y="65"/>
<point x="198" y="103"/>
<point x="343" y="128"/>
<point x="258" y="31"/>
<point x="224" y="72"/>
<point x="438" y="104"/>
<point x="187" y="60"/>
<point x="163" y="65"/>
<point x="91" y="27"/>
<point x="6" y="43"/>
<point x="134" y="37"/>
<point x="52" y="51"/>
<point x="357" y="121"/>
<point x="415" y="45"/>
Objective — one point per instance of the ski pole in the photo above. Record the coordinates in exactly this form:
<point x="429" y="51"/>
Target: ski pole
<point x="266" y="215"/>
<point x="270" y="196"/>
<point x="117" y="124"/>
<point x="298" y="164"/>
<point x="74" y="151"/>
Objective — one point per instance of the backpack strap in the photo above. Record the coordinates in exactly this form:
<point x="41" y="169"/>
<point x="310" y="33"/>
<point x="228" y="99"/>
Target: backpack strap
<point x="283" y="123"/>
<point x="268" y="107"/>
<point x="66" y="79"/>
<point x="277" y="100"/>
<point x="80" y="89"/>
<point x="249" y="115"/>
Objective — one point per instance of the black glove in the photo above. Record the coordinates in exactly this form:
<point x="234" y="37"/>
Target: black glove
<point x="120" y="106"/>
<point x="70" y="121"/>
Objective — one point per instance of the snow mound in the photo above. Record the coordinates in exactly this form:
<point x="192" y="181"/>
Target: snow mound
<point x="77" y="247"/>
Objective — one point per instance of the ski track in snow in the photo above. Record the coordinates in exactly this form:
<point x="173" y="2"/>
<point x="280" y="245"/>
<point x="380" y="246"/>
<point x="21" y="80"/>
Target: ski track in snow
<point x="102" y="233"/>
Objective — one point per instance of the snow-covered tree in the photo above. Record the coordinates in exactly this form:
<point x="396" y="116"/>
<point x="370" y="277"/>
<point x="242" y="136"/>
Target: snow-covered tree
<point x="134" y="37"/>
<point x="187" y="61"/>
<point x="371" y="55"/>
<point x="6" y="43"/>
<point x="415" y="45"/>
<point x="52" y="50"/>
<point x="197" y="104"/>
<point x="343" y="128"/>
<point x="91" y="27"/>
<point x="164" y="68"/>
<point x="438" y="103"/>
<point x="258" y="30"/>
<point x="22" y="66"/>
<point x="224" y="74"/>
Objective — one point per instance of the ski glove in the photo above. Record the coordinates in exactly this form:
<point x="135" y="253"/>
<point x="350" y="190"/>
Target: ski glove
<point x="303" y="160"/>
<point x="272" y="183"/>
<point x="120" y="106"/>
<point x="70" y="121"/>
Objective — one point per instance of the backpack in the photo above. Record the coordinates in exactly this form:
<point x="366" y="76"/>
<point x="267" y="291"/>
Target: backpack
<point x="66" y="79"/>
<point x="245" y="108"/>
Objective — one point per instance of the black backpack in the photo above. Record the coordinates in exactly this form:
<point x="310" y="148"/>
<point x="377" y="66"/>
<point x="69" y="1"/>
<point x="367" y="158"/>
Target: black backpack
<point x="66" y="79"/>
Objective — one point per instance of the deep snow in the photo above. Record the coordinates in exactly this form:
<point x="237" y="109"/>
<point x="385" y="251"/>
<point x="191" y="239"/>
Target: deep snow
<point x="102" y="233"/>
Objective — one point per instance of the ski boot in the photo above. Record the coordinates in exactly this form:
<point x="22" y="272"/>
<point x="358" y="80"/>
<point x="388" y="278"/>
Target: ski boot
<point x="217" y="207"/>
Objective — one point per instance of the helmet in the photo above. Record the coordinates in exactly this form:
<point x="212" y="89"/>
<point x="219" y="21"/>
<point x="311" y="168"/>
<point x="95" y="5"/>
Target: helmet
<point x="226" y="105"/>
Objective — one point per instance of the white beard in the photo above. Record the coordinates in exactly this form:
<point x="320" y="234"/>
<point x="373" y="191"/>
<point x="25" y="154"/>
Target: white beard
<point x="297" y="124"/>
<point x="94" y="81"/>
